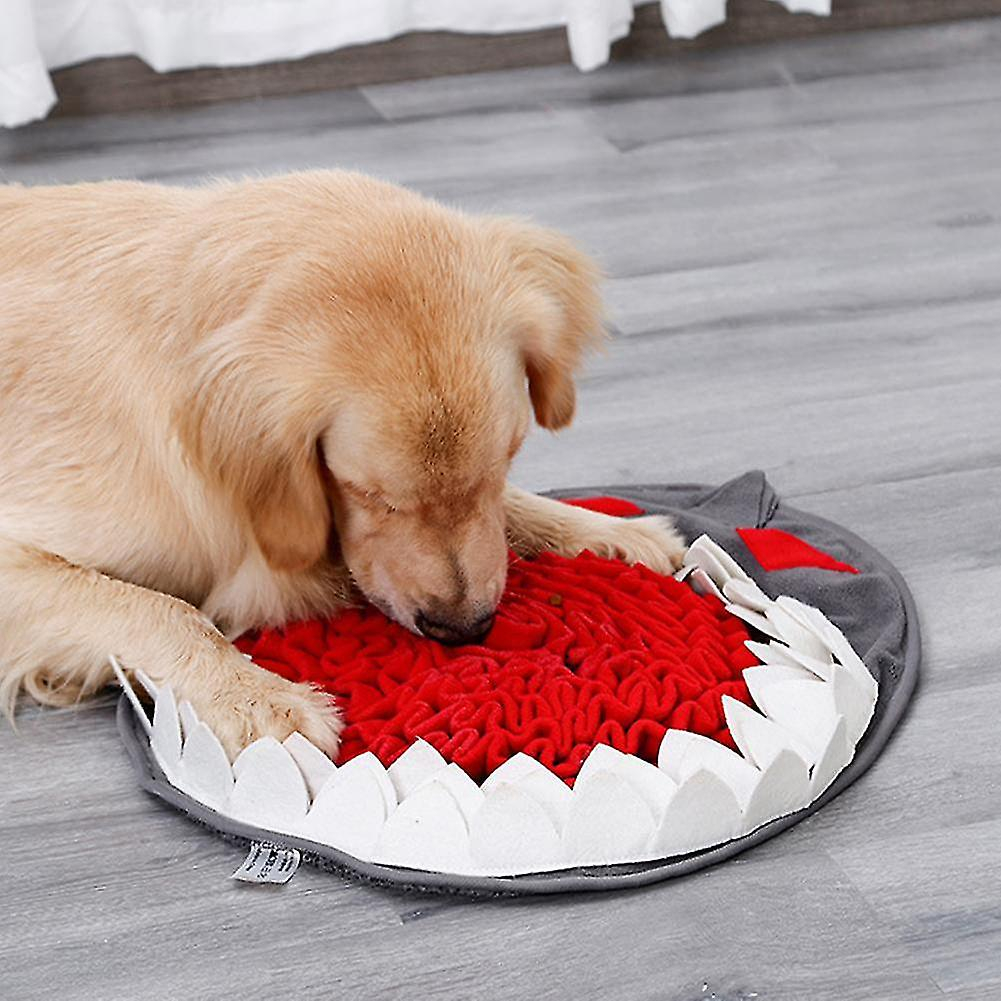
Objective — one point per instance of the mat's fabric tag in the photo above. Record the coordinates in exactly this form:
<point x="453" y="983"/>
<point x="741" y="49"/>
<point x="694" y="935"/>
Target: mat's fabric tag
<point x="266" y="863"/>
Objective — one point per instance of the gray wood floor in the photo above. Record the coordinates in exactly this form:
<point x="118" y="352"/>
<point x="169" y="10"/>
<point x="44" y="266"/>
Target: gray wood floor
<point x="804" y="250"/>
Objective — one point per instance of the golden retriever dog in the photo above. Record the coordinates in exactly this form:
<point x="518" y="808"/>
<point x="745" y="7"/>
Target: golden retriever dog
<point x="241" y="404"/>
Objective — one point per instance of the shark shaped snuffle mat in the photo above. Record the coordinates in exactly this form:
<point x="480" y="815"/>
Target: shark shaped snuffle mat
<point x="616" y="727"/>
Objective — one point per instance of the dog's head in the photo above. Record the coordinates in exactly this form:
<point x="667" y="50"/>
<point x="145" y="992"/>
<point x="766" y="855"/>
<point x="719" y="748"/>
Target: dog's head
<point x="387" y="394"/>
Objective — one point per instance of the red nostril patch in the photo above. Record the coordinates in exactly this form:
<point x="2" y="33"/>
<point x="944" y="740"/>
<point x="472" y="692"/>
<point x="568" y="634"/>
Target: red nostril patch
<point x="778" y="550"/>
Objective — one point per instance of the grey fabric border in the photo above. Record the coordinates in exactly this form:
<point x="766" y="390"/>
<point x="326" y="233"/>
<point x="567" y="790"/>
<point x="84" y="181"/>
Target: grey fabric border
<point x="889" y="711"/>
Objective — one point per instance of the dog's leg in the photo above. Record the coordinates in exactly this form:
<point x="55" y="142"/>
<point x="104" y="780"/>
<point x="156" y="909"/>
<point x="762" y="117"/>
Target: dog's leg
<point x="59" y="623"/>
<point x="256" y="595"/>
<point x="538" y="523"/>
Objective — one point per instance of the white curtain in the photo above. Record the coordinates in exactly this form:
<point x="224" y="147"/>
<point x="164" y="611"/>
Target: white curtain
<point x="40" y="35"/>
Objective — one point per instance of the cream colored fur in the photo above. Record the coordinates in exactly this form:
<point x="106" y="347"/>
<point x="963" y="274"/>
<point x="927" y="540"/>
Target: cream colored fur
<point x="236" y="405"/>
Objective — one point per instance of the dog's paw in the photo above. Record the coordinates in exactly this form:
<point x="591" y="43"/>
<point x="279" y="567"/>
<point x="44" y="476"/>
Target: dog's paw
<point x="651" y="540"/>
<point x="259" y="704"/>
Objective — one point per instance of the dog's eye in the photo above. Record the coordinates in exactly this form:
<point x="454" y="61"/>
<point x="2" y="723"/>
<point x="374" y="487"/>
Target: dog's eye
<point x="369" y="497"/>
<point x="376" y="499"/>
<point x="377" y="502"/>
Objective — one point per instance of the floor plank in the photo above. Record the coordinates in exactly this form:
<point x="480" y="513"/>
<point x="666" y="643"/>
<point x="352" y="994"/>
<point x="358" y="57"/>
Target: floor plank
<point x="930" y="892"/>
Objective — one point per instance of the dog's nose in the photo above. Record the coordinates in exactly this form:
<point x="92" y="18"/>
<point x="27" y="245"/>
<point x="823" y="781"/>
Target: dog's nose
<point x="454" y="632"/>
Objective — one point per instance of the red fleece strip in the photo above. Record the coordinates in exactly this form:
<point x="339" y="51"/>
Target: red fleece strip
<point x="584" y="651"/>
<point x="778" y="550"/>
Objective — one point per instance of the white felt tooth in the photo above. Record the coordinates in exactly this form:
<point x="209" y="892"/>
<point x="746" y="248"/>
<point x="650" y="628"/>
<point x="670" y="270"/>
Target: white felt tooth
<point x="823" y="669"/>
<point x="350" y="810"/>
<point x="702" y="583"/>
<point x="701" y="555"/>
<point x="682" y="754"/>
<point x="652" y="783"/>
<point x="715" y="560"/>
<point x="261" y="746"/>
<point x="270" y="791"/>
<point x="835" y="756"/>
<point x="512" y="833"/>
<point x="205" y="770"/>
<point x="426" y="831"/>
<point x="834" y="640"/>
<point x="414" y="767"/>
<point x="856" y="667"/>
<point x="703" y="812"/>
<point x="165" y="738"/>
<point x="771" y="653"/>
<point x="550" y="792"/>
<point x="608" y="822"/>
<point x="510" y="771"/>
<point x="130" y="694"/>
<point x="801" y="612"/>
<point x="849" y="659"/>
<point x="796" y="635"/>
<point x="188" y="717"/>
<point x="756" y="619"/>
<point x="315" y="766"/>
<point x="370" y="763"/>
<point x="731" y="568"/>
<point x="759" y="738"/>
<point x="601" y="758"/>
<point x="805" y="708"/>
<point x="784" y="787"/>
<point x="809" y="615"/>
<point x="746" y="593"/>
<point x="147" y="682"/>
<point x="852" y="701"/>
<point x="761" y="675"/>
<point x="466" y="793"/>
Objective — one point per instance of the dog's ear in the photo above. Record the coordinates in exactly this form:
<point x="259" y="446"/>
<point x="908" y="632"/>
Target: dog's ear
<point x="288" y="508"/>
<point x="252" y="426"/>
<point x="559" y="314"/>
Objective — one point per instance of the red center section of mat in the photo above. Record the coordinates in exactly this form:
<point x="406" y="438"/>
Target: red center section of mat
<point x="584" y="651"/>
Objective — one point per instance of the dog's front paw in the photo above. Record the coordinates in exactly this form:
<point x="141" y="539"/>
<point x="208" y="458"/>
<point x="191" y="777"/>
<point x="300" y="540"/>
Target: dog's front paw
<point x="257" y="703"/>
<point x="651" y="540"/>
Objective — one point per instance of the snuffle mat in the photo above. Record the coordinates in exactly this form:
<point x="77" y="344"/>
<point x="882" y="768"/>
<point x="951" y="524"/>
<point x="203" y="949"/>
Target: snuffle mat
<point x="615" y="728"/>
